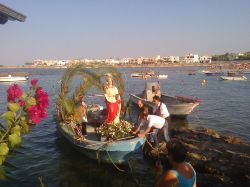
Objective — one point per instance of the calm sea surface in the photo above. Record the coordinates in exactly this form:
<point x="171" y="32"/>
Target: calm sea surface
<point x="225" y="108"/>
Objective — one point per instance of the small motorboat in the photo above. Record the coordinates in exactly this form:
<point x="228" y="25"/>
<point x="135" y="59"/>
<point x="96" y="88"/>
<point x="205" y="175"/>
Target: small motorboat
<point x="162" y="76"/>
<point x="214" y="73"/>
<point x="12" y="78"/>
<point x="143" y="74"/>
<point x="178" y="106"/>
<point x="233" y="76"/>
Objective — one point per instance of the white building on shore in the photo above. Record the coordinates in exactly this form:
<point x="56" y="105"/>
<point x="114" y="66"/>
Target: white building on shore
<point x="192" y="58"/>
<point x="171" y="59"/>
<point x="205" y="59"/>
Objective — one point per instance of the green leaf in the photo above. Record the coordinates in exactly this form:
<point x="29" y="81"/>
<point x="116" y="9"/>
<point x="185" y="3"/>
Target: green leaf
<point x="13" y="107"/>
<point x="9" y="115"/>
<point x="4" y="149"/>
<point x="25" y="127"/>
<point x="23" y="118"/>
<point x="2" y="159"/>
<point x="14" y="139"/>
<point x="23" y="97"/>
<point x="68" y="105"/>
<point x="30" y="102"/>
<point x="16" y="130"/>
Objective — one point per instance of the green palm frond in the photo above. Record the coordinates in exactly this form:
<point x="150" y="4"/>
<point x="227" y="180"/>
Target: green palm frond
<point x="67" y="103"/>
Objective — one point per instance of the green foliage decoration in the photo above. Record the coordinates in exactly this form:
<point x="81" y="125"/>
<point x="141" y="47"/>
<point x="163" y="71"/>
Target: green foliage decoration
<point x="67" y="103"/>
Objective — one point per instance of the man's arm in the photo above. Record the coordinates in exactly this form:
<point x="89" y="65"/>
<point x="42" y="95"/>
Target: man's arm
<point x="136" y="130"/>
<point x="145" y="132"/>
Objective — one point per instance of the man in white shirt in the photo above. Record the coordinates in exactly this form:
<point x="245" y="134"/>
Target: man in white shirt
<point x="160" y="109"/>
<point x="155" y="123"/>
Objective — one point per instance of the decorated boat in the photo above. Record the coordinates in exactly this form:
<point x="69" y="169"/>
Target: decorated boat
<point x="233" y="76"/>
<point x="107" y="137"/>
<point x="13" y="78"/>
<point x="119" y="151"/>
<point x="178" y="106"/>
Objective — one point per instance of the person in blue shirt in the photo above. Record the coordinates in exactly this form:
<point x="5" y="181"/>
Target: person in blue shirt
<point x="182" y="173"/>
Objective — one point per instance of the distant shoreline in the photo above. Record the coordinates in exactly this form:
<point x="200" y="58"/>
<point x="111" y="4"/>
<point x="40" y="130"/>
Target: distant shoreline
<point x="219" y="63"/>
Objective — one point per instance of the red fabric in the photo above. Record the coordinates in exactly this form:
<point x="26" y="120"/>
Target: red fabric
<point x="112" y="111"/>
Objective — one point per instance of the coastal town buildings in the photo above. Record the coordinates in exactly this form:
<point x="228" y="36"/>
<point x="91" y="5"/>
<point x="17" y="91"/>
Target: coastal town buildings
<point x="157" y="60"/>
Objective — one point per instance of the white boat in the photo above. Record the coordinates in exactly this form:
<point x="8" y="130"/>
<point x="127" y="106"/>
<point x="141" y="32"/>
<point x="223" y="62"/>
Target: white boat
<point x="11" y="78"/>
<point x="162" y="76"/>
<point x="178" y="106"/>
<point x="143" y="74"/>
<point x="236" y="78"/>
<point x="233" y="76"/>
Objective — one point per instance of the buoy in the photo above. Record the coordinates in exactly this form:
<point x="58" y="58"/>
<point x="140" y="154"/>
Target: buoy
<point x="203" y="82"/>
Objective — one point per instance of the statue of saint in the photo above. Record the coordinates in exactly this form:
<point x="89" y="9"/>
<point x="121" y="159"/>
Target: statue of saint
<point x="113" y="101"/>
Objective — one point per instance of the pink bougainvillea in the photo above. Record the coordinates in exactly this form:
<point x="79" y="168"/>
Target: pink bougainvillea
<point x="34" y="114"/>
<point x="33" y="82"/>
<point x="13" y="93"/>
<point x="34" y="111"/>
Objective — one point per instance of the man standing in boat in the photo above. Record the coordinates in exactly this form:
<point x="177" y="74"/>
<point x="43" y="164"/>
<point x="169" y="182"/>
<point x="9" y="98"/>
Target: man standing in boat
<point x="160" y="109"/>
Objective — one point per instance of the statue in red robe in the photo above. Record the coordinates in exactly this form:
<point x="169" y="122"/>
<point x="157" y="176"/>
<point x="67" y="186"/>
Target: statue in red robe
<point x="113" y="102"/>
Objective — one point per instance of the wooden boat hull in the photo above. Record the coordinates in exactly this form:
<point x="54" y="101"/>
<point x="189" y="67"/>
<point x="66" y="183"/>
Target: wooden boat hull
<point x="177" y="107"/>
<point x="106" y="152"/>
<point x="241" y="78"/>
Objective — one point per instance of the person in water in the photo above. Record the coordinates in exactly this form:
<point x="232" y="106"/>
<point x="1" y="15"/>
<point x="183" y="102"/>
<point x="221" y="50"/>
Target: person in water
<point x="182" y="174"/>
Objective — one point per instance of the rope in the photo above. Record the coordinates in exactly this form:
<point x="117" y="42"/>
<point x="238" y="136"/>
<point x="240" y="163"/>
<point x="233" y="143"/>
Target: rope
<point x="132" y="173"/>
<point x="119" y="169"/>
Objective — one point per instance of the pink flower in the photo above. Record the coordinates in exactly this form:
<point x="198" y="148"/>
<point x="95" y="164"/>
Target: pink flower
<point x="33" y="82"/>
<point x="42" y="98"/>
<point x="34" y="114"/>
<point x="13" y="92"/>
<point x="21" y="103"/>
<point x="43" y="113"/>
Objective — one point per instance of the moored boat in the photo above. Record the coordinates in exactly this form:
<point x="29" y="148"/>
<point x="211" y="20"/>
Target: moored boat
<point x="162" y="76"/>
<point x="178" y="106"/>
<point x="119" y="151"/>
<point x="143" y="74"/>
<point x="214" y="73"/>
<point x="11" y="78"/>
<point x="233" y="76"/>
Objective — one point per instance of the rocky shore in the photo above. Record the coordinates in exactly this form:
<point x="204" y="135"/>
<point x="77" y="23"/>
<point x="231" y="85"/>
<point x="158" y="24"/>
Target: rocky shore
<point x="218" y="160"/>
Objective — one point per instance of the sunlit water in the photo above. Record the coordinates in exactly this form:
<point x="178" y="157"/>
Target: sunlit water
<point x="224" y="107"/>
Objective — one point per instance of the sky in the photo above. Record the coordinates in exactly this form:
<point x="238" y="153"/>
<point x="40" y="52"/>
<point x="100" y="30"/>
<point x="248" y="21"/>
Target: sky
<point x="64" y="29"/>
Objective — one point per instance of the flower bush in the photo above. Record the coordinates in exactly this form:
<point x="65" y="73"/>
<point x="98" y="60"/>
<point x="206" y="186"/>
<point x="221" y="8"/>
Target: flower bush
<point x="23" y="110"/>
<point x="115" y="131"/>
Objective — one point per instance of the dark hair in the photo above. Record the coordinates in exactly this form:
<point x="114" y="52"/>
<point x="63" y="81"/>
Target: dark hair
<point x="156" y="97"/>
<point x="145" y="111"/>
<point x="178" y="151"/>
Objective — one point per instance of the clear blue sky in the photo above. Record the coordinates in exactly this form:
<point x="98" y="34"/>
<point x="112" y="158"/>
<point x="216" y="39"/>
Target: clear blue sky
<point x="64" y="29"/>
